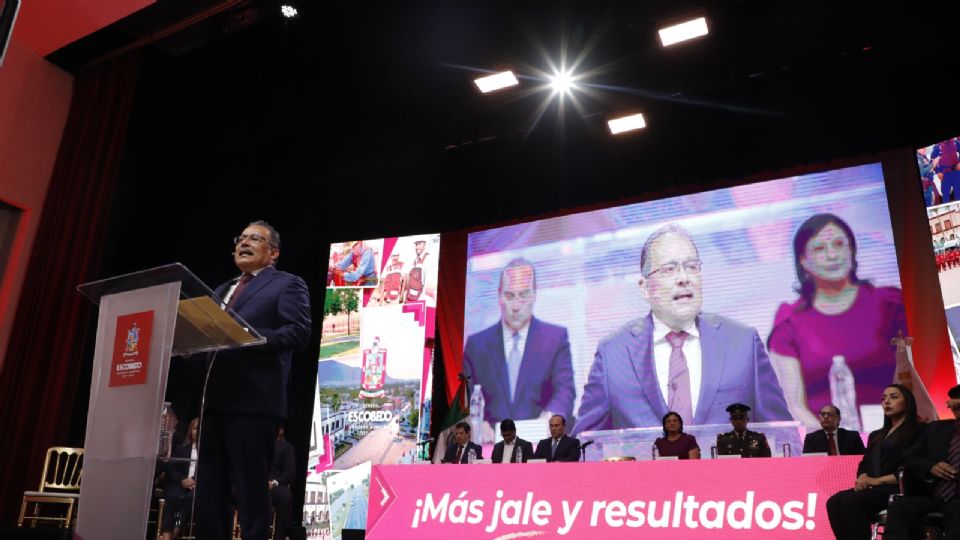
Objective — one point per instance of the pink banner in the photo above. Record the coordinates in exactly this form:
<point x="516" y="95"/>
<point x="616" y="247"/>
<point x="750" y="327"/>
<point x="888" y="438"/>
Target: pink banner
<point x="755" y="498"/>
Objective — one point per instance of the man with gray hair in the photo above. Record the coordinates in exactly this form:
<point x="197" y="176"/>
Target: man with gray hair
<point x="677" y="358"/>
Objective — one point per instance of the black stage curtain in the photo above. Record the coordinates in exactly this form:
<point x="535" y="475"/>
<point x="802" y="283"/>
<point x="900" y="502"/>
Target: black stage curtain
<point x="42" y="370"/>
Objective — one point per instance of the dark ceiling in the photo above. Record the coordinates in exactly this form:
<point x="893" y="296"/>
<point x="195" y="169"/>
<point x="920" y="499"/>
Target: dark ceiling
<point x="375" y="99"/>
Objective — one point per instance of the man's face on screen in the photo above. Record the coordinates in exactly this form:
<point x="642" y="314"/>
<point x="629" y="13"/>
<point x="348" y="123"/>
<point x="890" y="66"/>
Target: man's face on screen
<point x="461" y="436"/>
<point x="517" y="296"/>
<point x="828" y="256"/>
<point x="508" y="436"/>
<point x="675" y="297"/>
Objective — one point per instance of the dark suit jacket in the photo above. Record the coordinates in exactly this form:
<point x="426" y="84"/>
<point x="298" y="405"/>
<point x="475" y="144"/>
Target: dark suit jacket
<point x="929" y="449"/>
<point x="622" y="390"/>
<point x="891" y="453"/>
<point x="450" y="455"/>
<point x="568" y="449"/>
<point x="254" y="379"/>
<point x="545" y="382"/>
<point x="177" y="470"/>
<point x="282" y="469"/>
<point x="526" y="451"/>
<point x="849" y="442"/>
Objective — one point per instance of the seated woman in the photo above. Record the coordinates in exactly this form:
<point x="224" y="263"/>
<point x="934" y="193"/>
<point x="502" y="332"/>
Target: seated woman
<point x="674" y="441"/>
<point x="851" y="511"/>
<point x="181" y="484"/>
<point x="837" y="314"/>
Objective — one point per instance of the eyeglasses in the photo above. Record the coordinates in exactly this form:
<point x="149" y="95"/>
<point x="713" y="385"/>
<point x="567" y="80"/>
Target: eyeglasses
<point x="523" y="296"/>
<point x="692" y="266"/>
<point x="827" y="414"/>
<point x="253" y="237"/>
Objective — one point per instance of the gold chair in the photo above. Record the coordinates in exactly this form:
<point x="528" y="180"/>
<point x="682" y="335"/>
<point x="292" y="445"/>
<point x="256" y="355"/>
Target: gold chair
<point x="59" y="485"/>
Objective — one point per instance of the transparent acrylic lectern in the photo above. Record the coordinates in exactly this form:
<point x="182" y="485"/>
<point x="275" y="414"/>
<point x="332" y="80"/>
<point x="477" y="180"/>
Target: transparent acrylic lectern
<point x="129" y="382"/>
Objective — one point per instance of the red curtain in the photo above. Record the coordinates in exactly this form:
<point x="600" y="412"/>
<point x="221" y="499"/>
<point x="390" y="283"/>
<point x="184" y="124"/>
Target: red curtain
<point x="39" y="381"/>
<point x="450" y="299"/>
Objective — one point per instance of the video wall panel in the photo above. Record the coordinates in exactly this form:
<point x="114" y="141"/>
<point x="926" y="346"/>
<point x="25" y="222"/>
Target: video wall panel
<point x="780" y="281"/>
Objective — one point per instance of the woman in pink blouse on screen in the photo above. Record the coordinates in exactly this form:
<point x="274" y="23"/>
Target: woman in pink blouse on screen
<point x="837" y="315"/>
<point x="674" y="441"/>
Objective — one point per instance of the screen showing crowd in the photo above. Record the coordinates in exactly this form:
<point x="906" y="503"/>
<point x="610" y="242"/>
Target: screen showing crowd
<point x="782" y="295"/>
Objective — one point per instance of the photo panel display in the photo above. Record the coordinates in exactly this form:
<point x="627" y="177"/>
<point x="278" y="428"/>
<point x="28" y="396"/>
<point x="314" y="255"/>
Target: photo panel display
<point x="939" y="168"/>
<point x="786" y="293"/>
<point x="375" y="355"/>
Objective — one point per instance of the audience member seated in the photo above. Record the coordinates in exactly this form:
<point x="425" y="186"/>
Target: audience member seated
<point x="741" y="441"/>
<point x="181" y="484"/>
<point x="506" y="450"/>
<point x="934" y="460"/>
<point x="281" y="477"/>
<point x="851" y="511"/>
<point x="560" y="446"/>
<point x="460" y="452"/>
<point x="674" y="441"/>
<point x="832" y="440"/>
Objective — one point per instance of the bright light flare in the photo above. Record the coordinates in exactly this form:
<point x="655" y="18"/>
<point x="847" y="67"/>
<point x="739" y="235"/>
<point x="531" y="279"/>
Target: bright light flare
<point x="674" y="34"/>
<point x="496" y="81"/>
<point x="626" y="123"/>
<point x="562" y="82"/>
<point x="288" y="11"/>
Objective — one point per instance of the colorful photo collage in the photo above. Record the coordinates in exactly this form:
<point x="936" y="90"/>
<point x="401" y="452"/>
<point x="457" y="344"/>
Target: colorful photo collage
<point x="371" y="403"/>
<point x="939" y="169"/>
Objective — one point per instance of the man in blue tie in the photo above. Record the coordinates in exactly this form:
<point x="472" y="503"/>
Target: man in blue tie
<point x="522" y="364"/>
<point x="560" y="446"/>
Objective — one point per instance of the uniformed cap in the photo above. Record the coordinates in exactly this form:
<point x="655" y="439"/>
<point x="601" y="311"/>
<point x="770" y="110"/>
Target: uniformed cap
<point x="738" y="409"/>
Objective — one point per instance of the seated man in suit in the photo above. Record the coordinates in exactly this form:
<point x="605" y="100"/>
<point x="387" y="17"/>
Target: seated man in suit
<point x="522" y="363"/>
<point x="934" y="459"/>
<point x="560" y="446"/>
<point x="677" y="358"/>
<point x="511" y="444"/>
<point x="741" y="441"/>
<point x="460" y="452"/>
<point x="833" y="439"/>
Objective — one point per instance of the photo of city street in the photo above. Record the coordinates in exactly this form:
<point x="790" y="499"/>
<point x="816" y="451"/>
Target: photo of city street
<point x="348" y="492"/>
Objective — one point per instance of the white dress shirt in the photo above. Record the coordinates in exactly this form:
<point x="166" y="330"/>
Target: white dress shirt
<point x="691" y="350"/>
<point x="508" y="339"/>
<point x="508" y="450"/>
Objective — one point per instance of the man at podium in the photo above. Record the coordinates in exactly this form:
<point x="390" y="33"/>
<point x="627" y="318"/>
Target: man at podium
<point x="247" y="389"/>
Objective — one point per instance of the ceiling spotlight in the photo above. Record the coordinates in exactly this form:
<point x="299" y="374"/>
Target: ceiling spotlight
<point x="289" y="11"/>
<point x="497" y="81"/>
<point x="690" y="29"/>
<point x="626" y="123"/>
<point x="562" y="82"/>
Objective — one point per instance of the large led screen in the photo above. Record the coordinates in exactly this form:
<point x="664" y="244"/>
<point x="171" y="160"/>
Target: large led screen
<point x="785" y="295"/>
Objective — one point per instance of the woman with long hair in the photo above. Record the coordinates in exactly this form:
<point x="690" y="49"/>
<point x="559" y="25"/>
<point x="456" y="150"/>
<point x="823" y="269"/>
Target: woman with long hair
<point x="674" y="441"/>
<point x="837" y="314"/>
<point x="181" y="484"/>
<point x="851" y="511"/>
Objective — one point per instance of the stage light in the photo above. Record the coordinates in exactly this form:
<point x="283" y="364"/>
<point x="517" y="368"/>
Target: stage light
<point x="562" y="82"/>
<point x="676" y="33"/>
<point x="626" y="123"/>
<point x="496" y="81"/>
<point x="289" y="11"/>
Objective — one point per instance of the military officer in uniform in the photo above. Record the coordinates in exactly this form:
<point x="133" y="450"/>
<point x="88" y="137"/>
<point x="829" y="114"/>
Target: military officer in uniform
<point x="741" y="441"/>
